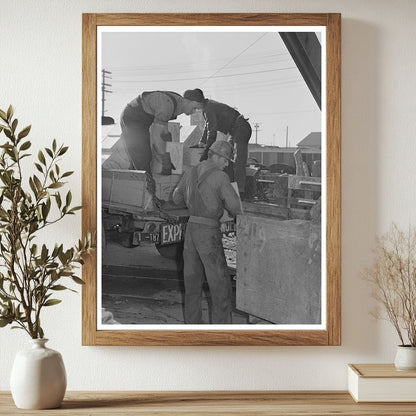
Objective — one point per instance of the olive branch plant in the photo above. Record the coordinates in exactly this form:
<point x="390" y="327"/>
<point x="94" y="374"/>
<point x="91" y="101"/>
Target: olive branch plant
<point x="393" y="278"/>
<point x="30" y="273"/>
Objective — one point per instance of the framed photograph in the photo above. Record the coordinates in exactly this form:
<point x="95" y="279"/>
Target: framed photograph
<point x="189" y="253"/>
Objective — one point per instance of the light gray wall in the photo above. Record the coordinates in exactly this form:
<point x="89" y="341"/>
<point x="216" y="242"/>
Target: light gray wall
<point x="40" y="73"/>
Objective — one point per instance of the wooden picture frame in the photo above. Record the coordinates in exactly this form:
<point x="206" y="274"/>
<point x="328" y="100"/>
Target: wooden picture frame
<point x="331" y="334"/>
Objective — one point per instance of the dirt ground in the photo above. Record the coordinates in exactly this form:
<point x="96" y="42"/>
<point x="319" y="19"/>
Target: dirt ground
<point x="139" y="286"/>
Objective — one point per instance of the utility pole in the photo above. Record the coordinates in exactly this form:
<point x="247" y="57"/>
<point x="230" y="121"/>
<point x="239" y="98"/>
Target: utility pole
<point x="287" y="136"/>
<point x="104" y="75"/>
<point x="256" y="126"/>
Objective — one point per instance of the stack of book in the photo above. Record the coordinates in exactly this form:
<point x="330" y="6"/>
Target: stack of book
<point x="381" y="383"/>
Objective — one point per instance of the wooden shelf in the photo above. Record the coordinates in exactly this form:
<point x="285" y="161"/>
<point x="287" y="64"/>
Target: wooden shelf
<point x="212" y="403"/>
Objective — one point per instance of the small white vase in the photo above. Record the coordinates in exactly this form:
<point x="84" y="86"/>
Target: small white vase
<point x="38" y="377"/>
<point x="405" y="358"/>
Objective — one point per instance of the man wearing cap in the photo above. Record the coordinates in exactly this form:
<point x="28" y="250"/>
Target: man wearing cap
<point x="222" y="118"/>
<point x="206" y="190"/>
<point x="150" y="107"/>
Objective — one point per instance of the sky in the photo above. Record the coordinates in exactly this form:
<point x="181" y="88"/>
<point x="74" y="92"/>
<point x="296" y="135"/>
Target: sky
<point x="251" y="71"/>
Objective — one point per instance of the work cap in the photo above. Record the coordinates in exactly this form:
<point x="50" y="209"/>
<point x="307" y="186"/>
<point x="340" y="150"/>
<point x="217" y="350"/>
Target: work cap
<point x="222" y="148"/>
<point x="195" y="95"/>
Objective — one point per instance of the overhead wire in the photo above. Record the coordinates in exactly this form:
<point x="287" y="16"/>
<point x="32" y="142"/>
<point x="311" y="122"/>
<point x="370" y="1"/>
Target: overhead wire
<point x="164" y="69"/>
<point x="206" y="79"/>
<point x="233" y="59"/>
<point x="209" y="62"/>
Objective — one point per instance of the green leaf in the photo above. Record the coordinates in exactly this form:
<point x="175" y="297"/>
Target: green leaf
<point x="49" y="152"/>
<point x="55" y="251"/>
<point x="33" y="187"/>
<point x="76" y="279"/>
<point x="62" y="257"/>
<point x="3" y="115"/>
<point x="54" y="145"/>
<point x="5" y="321"/>
<point x="37" y="182"/>
<point x="25" y="145"/>
<point x="25" y="155"/>
<point x="51" y="302"/>
<point x="56" y="185"/>
<point x="77" y="208"/>
<point x="44" y="253"/>
<point x="14" y="125"/>
<point x="39" y="167"/>
<point x="40" y="331"/>
<point x="58" y="199"/>
<point x="24" y="132"/>
<point x="41" y="157"/>
<point x="34" y="249"/>
<point x="68" y="199"/>
<point x="67" y="174"/>
<point x="8" y="133"/>
<point x="5" y="298"/>
<point x="59" y="287"/>
<point x="63" y="150"/>
<point x="45" y="211"/>
<point x="10" y="112"/>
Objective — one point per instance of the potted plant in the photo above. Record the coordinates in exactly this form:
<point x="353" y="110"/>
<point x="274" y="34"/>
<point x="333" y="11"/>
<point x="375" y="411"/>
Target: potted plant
<point x="31" y="272"/>
<point x="393" y="277"/>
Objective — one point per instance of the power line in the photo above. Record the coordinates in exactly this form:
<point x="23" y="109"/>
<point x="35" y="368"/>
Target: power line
<point x="257" y="87"/>
<point x="218" y="76"/>
<point x="252" y="58"/>
<point x="165" y="70"/>
<point x="232" y="60"/>
<point x="201" y="68"/>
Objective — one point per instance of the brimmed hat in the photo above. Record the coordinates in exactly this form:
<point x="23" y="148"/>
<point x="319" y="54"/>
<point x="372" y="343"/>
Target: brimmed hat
<point x="222" y="148"/>
<point x="195" y="95"/>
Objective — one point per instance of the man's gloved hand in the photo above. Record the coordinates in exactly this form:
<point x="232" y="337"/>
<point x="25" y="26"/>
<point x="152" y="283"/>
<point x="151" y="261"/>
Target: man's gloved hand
<point x="204" y="155"/>
<point x="166" y="164"/>
<point x="166" y="137"/>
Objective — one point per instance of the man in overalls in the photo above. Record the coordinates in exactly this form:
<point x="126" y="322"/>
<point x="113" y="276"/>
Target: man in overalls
<point x="223" y="120"/>
<point x="134" y="150"/>
<point x="206" y="190"/>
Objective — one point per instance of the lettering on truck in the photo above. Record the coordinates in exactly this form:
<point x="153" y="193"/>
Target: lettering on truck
<point x="171" y="233"/>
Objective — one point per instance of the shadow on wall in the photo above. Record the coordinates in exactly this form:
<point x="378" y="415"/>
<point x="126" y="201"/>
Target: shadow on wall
<point x="361" y="45"/>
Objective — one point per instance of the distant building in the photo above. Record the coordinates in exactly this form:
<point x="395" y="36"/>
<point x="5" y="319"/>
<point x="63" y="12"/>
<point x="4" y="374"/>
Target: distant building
<point x="271" y="155"/>
<point x="311" y="141"/>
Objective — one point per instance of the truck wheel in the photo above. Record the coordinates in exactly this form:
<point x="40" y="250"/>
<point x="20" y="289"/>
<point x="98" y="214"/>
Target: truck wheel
<point x="171" y="251"/>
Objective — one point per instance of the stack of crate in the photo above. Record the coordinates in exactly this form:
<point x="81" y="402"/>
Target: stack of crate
<point x="127" y="190"/>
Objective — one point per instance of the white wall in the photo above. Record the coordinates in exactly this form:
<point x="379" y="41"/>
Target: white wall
<point x="40" y="73"/>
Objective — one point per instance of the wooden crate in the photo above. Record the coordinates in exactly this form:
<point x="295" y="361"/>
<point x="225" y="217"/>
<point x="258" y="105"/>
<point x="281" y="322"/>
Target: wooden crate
<point x="279" y="269"/>
<point x="175" y="150"/>
<point x="191" y="155"/>
<point x="165" y="184"/>
<point x="126" y="190"/>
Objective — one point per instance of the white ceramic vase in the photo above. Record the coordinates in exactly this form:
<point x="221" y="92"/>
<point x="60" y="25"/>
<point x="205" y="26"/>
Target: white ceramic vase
<point x="405" y="358"/>
<point x="38" y="377"/>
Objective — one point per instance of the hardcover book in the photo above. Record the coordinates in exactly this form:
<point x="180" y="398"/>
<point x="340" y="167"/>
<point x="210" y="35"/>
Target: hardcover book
<point x="381" y="383"/>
